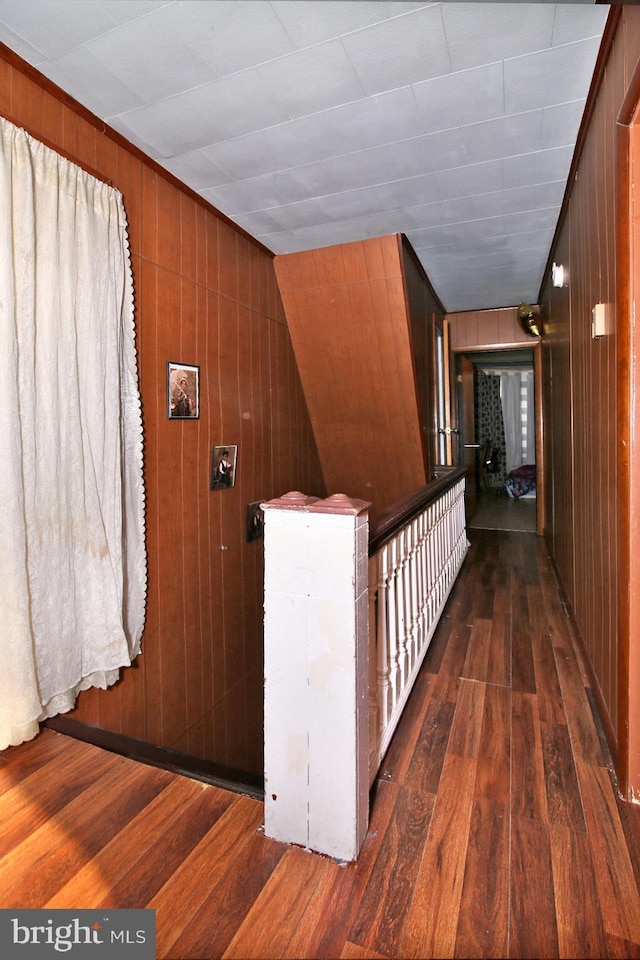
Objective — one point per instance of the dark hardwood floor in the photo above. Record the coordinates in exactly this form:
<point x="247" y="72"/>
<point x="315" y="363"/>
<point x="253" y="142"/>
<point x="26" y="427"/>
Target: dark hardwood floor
<point x="495" y="827"/>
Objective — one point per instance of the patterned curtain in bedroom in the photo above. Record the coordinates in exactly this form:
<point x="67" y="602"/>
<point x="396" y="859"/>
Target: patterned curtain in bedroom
<point x="490" y="425"/>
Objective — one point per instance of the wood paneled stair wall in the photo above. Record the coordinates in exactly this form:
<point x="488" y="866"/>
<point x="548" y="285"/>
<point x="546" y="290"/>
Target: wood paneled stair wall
<point x="496" y="829"/>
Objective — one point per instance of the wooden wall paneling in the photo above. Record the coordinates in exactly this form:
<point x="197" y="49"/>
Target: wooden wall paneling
<point x="128" y="178"/>
<point x="6" y="85"/>
<point x="408" y="400"/>
<point x="35" y="108"/>
<point x="205" y="293"/>
<point x="356" y="263"/>
<point x="586" y="442"/>
<point x="228" y="261"/>
<point x="628" y="144"/>
<point x="191" y="478"/>
<point x="348" y="318"/>
<point x="495" y="328"/>
<point x="420" y="305"/>
<point x="188" y="238"/>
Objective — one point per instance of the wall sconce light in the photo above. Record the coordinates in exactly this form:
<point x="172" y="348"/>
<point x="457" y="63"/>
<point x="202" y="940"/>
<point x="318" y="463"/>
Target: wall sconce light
<point x="557" y="275"/>
<point x="598" y="321"/>
<point x="529" y="321"/>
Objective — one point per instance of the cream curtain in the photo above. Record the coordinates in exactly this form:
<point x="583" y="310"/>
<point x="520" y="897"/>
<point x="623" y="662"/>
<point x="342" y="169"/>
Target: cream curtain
<point x="72" y="556"/>
<point x="519" y="430"/>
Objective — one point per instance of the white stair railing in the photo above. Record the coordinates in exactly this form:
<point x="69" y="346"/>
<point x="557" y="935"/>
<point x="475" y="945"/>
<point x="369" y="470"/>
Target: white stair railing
<point x="349" y="615"/>
<point x="410" y="577"/>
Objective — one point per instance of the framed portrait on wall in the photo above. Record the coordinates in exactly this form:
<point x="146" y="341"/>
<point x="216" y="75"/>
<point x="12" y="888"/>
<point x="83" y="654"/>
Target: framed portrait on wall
<point x="223" y="466"/>
<point x="183" y="391"/>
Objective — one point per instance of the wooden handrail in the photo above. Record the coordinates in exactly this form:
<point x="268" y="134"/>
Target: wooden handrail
<point x="395" y="517"/>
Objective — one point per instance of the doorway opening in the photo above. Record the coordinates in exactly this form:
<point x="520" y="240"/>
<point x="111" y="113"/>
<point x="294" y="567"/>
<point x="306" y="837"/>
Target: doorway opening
<point x="497" y="420"/>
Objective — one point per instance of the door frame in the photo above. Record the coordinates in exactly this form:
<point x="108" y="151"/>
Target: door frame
<point x="536" y="346"/>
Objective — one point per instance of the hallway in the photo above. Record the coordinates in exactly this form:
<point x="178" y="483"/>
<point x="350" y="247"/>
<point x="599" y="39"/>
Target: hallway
<point x="501" y="512"/>
<point x="495" y="830"/>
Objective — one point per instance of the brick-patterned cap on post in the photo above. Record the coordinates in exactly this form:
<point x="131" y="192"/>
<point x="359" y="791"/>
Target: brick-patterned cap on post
<point x="294" y="500"/>
<point x="340" y="503"/>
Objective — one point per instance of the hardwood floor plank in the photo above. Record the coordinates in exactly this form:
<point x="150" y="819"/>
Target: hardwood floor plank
<point x="188" y="885"/>
<point x="564" y="801"/>
<point x="352" y="951"/>
<point x="232" y="893"/>
<point x="340" y="899"/>
<point x="538" y="615"/>
<point x="528" y="785"/>
<point x="397" y="759"/>
<point x="547" y="682"/>
<point x="19" y="762"/>
<point x="36" y="799"/>
<point x="619" y="898"/>
<point x="482" y="922"/>
<point x="533" y="930"/>
<point x="428" y="757"/>
<point x="622" y="948"/>
<point x="585" y="741"/>
<point x="379" y="922"/>
<point x="495" y="828"/>
<point x="433" y="916"/>
<point x="157" y="823"/>
<point x="445" y="686"/>
<point x="466" y="728"/>
<point x="48" y="857"/>
<point x="499" y="660"/>
<point x="476" y="665"/>
<point x="523" y="675"/>
<point x="580" y="928"/>
<point x="147" y="875"/>
<point x="272" y="920"/>
<point x="493" y="779"/>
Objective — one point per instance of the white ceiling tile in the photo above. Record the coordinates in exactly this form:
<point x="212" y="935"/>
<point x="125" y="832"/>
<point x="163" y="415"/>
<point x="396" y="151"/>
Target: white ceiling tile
<point x="56" y="26"/>
<point x="407" y="49"/>
<point x="453" y="101"/>
<point x="541" y="166"/>
<point x="239" y="104"/>
<point x="474" y="38"/>
<point x="376" y="121"/>
<point x="429" y="153"/>
<point x="360" y="169"/>
<point x="135" y="138"/>
<point x="20" y="46"/>
<point x="265" y="109"/>
<point x="150" y="58"/>
<point x="567" y="28"/>
<point x="91" y="83"/>
<point x="503" y="137"/>
<point x="259" y="225"/>
<point x="170" y="126"/>
<point x="471" y="179"/>
<point x="308" y="23"/>
<point x="542" y="79"/>
<point x="195" y="168"/>
<point x="560" y="124"/>
<point x="313" y="79"/>
<point x="248" y="196"/>
<point x="229" y="35"/>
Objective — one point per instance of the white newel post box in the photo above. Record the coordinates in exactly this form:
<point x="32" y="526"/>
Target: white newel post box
<point x="316" y="672"/>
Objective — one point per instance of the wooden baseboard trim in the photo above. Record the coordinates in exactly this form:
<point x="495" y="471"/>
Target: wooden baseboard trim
<point x="596" y="699"/>
<point x="226" y="778"/>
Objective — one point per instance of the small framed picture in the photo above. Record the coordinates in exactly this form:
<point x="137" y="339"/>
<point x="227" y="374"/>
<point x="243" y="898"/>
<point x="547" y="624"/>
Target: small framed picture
<point x="223" y="467"/>
<point x="255" y="521"/>
<point x="183" y="391"/>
